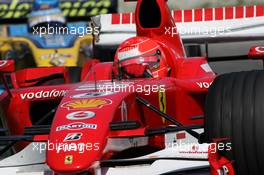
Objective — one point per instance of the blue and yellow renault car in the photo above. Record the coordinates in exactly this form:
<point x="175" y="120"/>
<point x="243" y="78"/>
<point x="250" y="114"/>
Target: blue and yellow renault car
<point x="47" y="39"/>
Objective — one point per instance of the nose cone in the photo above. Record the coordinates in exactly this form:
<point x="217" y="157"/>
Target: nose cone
<point x="78" y="142"/>
<point x="80" y="130"/>
<point x="74" y="160"/>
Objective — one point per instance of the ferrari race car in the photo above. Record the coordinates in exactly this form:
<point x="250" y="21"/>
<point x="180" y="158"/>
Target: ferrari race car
<point x="47" y="40"/>
<point x="147" y="112"/>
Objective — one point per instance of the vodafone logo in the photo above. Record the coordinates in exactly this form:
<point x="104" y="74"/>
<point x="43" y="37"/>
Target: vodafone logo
<point x="80" y="115"/>
<point x="43" y="94"/>
<point x="205" y="85"/>
<point x="260" y="49"/>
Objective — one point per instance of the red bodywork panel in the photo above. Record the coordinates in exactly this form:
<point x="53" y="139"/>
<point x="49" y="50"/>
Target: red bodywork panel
<point x="256" y="52"/>
<point x="84" y="118"/>
<point x="7" y="66"/>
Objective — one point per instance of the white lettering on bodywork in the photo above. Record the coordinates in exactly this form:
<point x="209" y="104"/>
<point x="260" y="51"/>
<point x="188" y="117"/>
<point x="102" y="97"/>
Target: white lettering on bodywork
<point x="43" y="94"/>
<point x="204" y="84"/>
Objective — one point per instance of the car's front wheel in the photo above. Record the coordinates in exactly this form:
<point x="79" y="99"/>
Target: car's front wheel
<point x="234" y="110"/>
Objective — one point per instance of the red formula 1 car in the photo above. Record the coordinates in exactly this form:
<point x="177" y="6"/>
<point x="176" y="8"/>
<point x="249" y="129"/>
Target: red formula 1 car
<point x="141" y="114"/>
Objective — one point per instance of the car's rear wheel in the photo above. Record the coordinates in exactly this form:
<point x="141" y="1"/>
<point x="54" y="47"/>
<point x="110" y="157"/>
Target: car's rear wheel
<point x="234" y="110"/>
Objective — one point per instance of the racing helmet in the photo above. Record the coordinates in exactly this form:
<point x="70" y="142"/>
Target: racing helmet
<point x="140" y="57"/>
<point x="46" y="13"/>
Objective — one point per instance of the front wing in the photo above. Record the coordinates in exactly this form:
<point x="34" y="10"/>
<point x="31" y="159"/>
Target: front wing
<point x="190" y="157"/>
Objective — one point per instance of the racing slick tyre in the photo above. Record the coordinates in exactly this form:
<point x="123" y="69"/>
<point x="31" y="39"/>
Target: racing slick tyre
<point x="234" y="110"/>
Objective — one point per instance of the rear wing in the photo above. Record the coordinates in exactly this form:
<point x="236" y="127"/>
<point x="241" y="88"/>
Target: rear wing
<point x="17" y="10"/>
<point x="195" y="25"/>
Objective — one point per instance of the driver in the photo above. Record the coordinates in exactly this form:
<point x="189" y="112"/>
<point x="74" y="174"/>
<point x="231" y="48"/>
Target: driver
<point x="46" y="13"/>
<point x="140" y="57"/>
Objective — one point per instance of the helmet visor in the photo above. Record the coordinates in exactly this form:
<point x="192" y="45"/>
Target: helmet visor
<point x="152" y="60"/>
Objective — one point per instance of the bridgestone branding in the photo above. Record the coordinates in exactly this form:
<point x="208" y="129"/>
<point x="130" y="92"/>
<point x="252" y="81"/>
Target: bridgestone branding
<point x="43" y="94"/>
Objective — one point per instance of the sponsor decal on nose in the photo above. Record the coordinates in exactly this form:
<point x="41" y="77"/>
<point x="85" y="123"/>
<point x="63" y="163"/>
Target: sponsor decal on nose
<point x="80" y="115"/>
<point x="76" y="126"/>
<point x="73" y="137"/>
<point x="86" y="104"/>
<point x="68" y="159"/>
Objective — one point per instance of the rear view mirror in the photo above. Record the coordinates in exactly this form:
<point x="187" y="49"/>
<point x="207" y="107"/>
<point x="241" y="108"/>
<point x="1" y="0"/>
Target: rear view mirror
<point x="256" y="52"/>
<point x="7" y="66"/>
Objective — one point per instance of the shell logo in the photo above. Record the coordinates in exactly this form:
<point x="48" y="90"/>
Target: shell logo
<point x="86" y="103"/>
